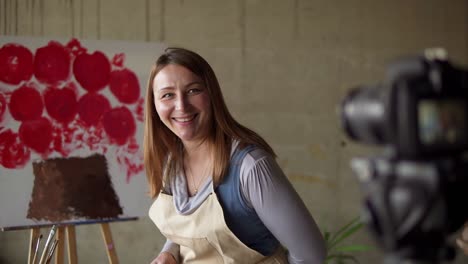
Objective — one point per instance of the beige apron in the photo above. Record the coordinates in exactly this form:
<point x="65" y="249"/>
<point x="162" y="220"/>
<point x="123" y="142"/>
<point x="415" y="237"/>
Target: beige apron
<point x="203" y="236"/>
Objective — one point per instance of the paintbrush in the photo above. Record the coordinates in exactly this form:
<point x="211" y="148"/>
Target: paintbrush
<point x="36" y="249"/>
<point x="46" y="246"/>
<point x="51" y="251"/>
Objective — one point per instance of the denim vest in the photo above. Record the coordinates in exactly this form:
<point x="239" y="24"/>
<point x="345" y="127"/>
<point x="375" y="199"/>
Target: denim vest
<point x="241" y="219"/>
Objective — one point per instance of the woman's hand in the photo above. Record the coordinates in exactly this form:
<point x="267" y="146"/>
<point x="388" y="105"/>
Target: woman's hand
<point x="164" y="258"/>
<point x="462" y="242"/>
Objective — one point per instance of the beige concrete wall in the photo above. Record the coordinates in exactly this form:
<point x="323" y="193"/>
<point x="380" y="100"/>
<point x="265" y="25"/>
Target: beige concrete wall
<point x="284" y="66"/>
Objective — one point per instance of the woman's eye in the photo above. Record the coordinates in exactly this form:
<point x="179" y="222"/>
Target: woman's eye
<point x="166" y="95"/>
<point x="194" y="90"/>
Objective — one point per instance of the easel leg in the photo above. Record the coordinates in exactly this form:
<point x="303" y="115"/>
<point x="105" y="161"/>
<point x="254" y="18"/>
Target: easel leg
<point x="109" y="243"/>
<point x="32" y="243"/>
<point x="71" y="238"/>
<point x="60" y="245"/>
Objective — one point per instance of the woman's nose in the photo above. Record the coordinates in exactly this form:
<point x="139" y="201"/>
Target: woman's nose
<point x="181" y="103"/>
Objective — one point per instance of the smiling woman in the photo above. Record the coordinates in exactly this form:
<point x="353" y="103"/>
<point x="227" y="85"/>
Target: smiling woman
<point x="220" y="195"/>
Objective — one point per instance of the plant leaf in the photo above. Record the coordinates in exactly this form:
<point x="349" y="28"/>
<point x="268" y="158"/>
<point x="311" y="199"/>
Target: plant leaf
<point x="326" y="236"/>
<point x="340" y="257"/>
<point x="349" y="231"/>
<point x="344" y="228"/>
<point x="351" y="258"/>
<point x="353" y="248"/>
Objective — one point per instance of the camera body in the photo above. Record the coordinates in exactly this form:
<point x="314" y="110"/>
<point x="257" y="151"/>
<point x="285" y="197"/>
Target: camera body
<point x="412" y="190"/>
<point x="421" y="109"/>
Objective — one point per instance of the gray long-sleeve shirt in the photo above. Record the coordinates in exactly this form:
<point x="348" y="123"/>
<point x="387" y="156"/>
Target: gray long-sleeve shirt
<point x="268" y="191"/>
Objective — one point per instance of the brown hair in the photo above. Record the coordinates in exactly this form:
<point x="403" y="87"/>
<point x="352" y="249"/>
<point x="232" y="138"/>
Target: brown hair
<point x="163" y="149"/>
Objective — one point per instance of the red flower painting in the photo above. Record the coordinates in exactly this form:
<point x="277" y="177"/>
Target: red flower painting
<point x="60" y="99"/>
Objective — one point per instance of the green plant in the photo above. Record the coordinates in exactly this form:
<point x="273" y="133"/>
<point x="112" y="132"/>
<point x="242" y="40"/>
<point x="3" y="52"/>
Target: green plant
<point x="337" y="253"/>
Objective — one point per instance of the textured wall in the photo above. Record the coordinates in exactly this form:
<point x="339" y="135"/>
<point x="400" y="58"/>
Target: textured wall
<point x="283" y="65"/>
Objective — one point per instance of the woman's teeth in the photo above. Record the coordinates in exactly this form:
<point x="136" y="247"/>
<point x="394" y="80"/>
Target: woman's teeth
<point x="184" y="119"/>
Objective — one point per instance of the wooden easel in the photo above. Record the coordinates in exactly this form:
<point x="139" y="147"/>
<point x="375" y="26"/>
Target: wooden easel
<point x="71" y="243"/>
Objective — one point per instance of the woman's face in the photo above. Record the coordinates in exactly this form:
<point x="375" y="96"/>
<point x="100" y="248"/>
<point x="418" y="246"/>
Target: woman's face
<point x="182" y="103"/>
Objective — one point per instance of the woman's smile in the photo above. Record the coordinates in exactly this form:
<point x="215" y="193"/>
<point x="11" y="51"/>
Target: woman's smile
<point x="184" y="120"/>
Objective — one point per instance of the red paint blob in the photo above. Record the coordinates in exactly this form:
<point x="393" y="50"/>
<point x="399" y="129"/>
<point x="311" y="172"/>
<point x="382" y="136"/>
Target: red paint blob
<point x="140" y="109"/>
<point x="13" y="153"/>
<point x="91" y="107"/>
<point x="69" y="138"/>
<point x="52" y="63"/>
<point x="36" y="134"/>
<point x="92" y="71"/>
<point x="26" y="104"/>
<point x="119" y="124"/>
<point x="75" y="47"/>
<point x="124" y="85"/>
<point x="61" y="104"/>
<point x="130" y="158"/>
<point x="3" y="105"/>
<point x="118" y="60"/>
<point x="16" y="64"/>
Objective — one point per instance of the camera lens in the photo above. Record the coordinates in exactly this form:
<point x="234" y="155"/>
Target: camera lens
<point x="363" y="115"/>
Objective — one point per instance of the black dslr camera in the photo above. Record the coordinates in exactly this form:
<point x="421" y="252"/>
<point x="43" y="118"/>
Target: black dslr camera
<point x="415" y="191"/>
